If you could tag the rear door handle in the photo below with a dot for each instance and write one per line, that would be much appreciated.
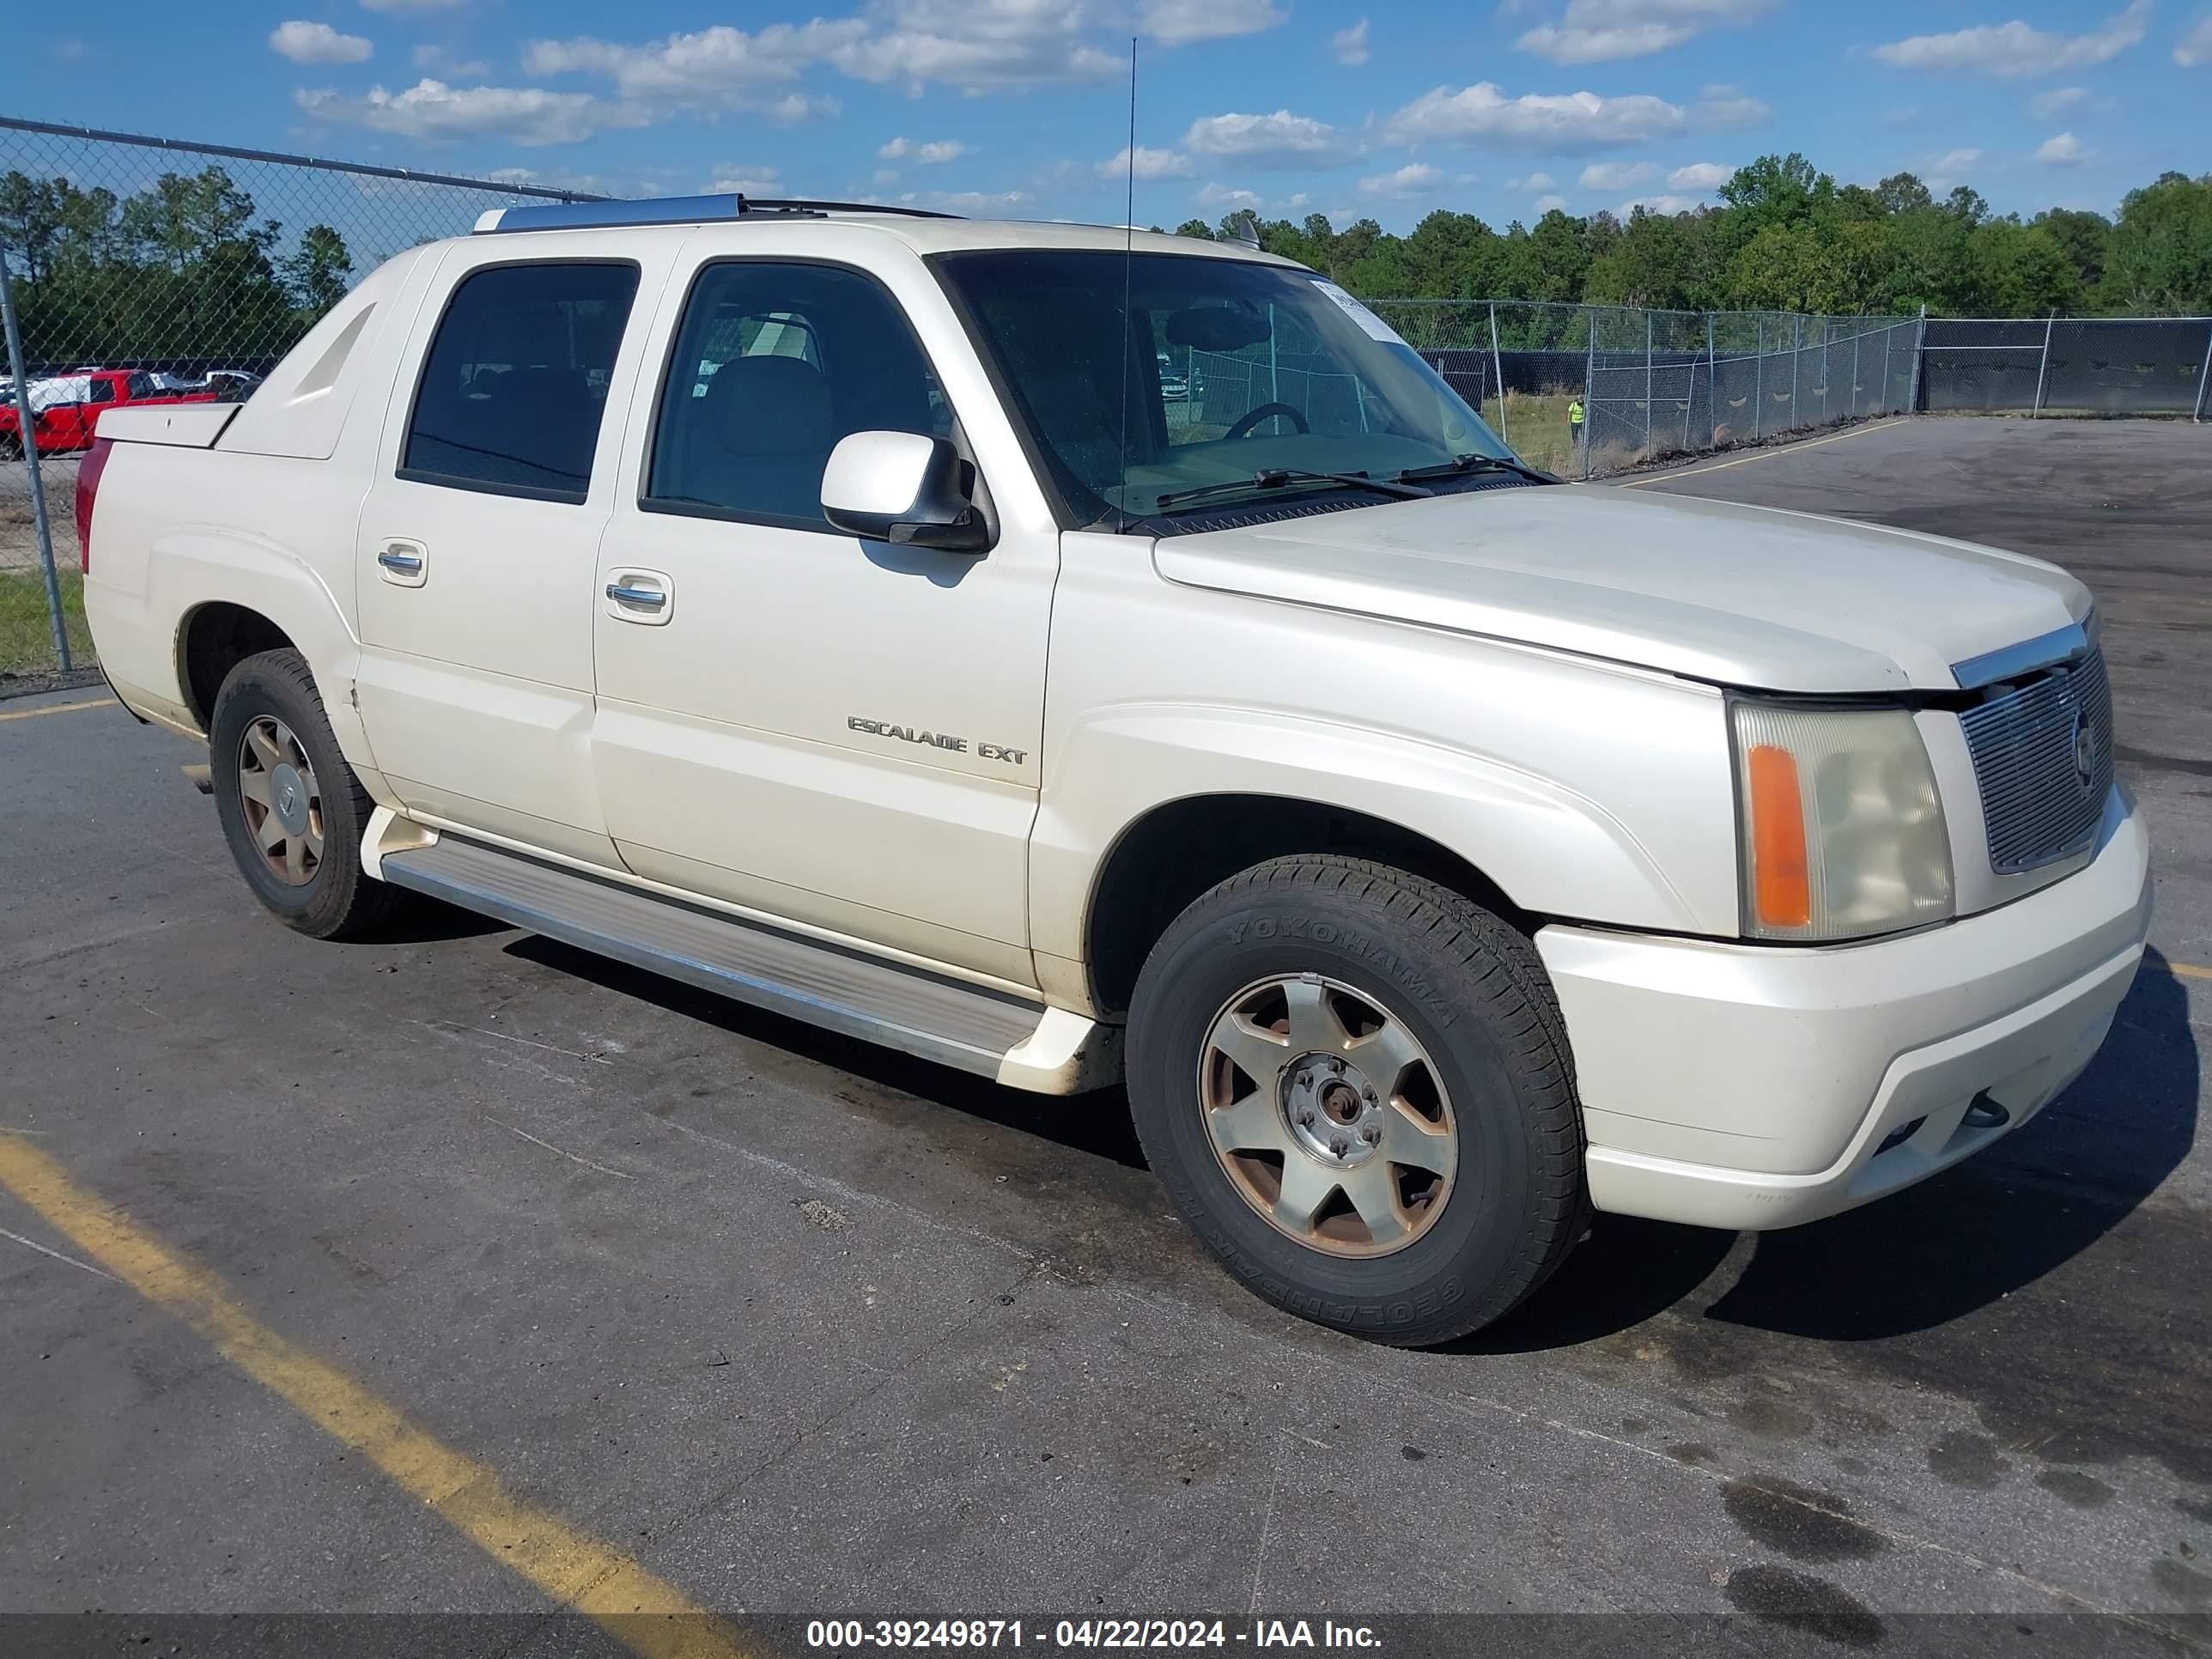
(645, 596)
(404, 563)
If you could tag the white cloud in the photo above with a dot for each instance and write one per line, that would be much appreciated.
(1942, 172)
(1699, 175)
(2062, 150)
(1534, 181)
(1350, 45)
(746, 181)
(2196, 47)
(887, 175)
(2014, 48)
(718, 65)
(977, 46)
(431, 110)
(1414, 178)
(1617, 175)
(1220, 196)
(449, 65)
(1546, 204)
(1729, 106)
(1179, 23)
(905, 149)
(1665, 205)
(1281, 140)
(974, 203)
(318, 43)
(1569, 124)
(1150, 164)
(2056, 101)
(1602, 31)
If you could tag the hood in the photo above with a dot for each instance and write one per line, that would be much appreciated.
(1742, 596)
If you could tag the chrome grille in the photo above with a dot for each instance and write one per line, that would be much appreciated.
(2040, 803)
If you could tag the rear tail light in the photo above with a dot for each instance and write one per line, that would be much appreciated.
(88, 490)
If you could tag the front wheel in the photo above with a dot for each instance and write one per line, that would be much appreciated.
(291, 808)
(1356, 1085)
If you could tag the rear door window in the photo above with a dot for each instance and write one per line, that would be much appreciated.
(515, 382)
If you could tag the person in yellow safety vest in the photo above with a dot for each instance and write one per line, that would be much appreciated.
(1575, 418)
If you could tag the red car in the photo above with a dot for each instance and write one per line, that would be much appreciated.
(66, 408)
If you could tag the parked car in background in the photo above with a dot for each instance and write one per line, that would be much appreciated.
(1174, 389)
(65, 410)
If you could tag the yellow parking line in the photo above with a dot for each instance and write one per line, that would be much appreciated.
(58, 708)
(1763, 455)
(2188, 970)
(650, 1617)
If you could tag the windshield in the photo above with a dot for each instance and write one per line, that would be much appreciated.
(1236, 373)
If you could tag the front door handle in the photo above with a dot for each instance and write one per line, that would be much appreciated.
(403, 563)
(646, 598)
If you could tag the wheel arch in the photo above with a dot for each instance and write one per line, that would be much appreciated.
(1179, 849)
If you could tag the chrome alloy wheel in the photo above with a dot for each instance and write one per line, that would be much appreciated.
(1328, 1116)
(282, 804)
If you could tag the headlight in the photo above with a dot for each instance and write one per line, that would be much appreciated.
(1842, 832)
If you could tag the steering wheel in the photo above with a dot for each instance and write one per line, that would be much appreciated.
(1252, 417)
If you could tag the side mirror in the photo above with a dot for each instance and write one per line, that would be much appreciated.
(906, 488)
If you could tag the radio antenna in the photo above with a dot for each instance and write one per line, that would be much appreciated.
(1129, 265)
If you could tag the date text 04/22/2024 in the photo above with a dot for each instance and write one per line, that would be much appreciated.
(1073, 1635)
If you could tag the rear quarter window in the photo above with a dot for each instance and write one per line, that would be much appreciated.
(515, 382)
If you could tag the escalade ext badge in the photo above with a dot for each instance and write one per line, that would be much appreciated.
(935, 739)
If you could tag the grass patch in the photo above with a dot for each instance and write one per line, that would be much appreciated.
(27, 630)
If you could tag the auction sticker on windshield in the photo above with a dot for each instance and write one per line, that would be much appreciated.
(1376, 328)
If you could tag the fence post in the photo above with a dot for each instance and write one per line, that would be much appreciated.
(1796, 363)
(2203, 373)
(42, 527)
(1855, 376)
(1590, 390)
(1647, 378)
(2042, 370)
(1498, 368)
(1919, 351)
(1758, 373)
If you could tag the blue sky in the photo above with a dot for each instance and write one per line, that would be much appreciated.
(1019, 106)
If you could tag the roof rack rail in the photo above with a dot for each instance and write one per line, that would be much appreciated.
(672, 210)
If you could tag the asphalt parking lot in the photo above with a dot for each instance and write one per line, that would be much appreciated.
(459, 1243)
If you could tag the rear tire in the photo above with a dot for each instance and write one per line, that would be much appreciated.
(1356, 1085)
(291, 808)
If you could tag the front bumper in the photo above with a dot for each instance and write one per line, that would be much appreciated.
(1760, 1086)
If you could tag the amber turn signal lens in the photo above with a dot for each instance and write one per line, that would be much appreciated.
(1780, 888)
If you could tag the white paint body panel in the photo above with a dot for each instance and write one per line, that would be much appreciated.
(1743, 596)
(1527, 677)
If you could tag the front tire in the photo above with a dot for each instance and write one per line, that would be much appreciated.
(1356, 1085)
(291, 808)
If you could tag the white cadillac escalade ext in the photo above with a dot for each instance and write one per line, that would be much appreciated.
(826, 606)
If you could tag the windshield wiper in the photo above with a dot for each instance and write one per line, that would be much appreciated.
(1460, 465)
(1275, 477)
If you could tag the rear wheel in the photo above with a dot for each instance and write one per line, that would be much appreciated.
(291, 808)
(1357, 1087)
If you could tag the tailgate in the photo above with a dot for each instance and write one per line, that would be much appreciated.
(183, 426)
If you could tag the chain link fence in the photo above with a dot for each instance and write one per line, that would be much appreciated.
(141, 269)
(1656, 383)
(2067, 365)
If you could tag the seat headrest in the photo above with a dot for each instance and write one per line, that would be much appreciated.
(769, 406)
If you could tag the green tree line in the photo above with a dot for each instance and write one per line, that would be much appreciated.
(187, 268)
(1787, 237)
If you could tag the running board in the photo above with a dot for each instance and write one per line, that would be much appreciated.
(1021, 1043)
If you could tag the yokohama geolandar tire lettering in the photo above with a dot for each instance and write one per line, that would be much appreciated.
(1357, 1087)
(291, 808)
